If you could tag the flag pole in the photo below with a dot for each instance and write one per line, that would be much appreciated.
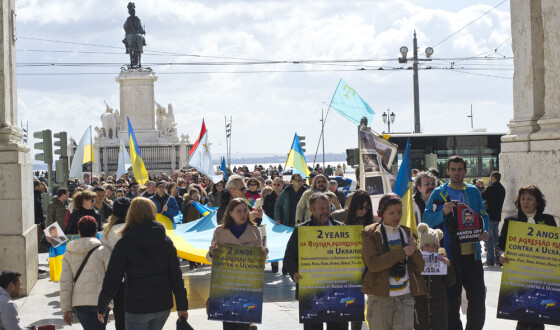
(91, 168)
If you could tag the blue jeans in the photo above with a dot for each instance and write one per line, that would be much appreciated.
(491, 243)
(87, 315)
(148, 321)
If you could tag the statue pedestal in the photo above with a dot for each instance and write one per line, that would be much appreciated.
(531, 150)
(18, 232)
(137, 102)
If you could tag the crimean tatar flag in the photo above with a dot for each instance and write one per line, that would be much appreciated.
(403, 188)
(296, 159)
(200, 157)
(138, 167)
(350, 105)
(82, 155)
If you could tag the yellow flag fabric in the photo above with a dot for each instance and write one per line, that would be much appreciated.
(138, 167)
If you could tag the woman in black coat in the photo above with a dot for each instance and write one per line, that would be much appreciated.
(530, 205)
(83, 205)
(149, 260)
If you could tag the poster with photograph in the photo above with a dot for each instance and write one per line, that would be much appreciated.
(469, 225)
(433, 264)
(330, 261)
(375, 185)
(371, 164)
(530, 288)
(55, 234)
(236, 284)
(386, 151)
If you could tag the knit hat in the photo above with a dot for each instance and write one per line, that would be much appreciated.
(428, 235)
(120, 207)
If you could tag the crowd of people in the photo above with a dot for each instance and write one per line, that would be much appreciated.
(134, 269)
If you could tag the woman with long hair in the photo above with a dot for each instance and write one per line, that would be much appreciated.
(148, 258)
(83, 205)
(216, 194)
(360, 211)
(236, 229)
(530, 205)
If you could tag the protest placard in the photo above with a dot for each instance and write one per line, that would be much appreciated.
(330, 261)
(433, 264)
(236, 284)
(469, 225)
(530, 288)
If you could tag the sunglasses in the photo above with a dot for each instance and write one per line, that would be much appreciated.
(427, 184)
(361, 207)
(298, 180)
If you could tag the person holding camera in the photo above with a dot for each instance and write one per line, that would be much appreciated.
(393, 269)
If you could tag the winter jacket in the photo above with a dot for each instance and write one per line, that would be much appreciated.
(86, 289)
(56, 212)
(149, 260)
(225, 197)
(9, 319)
(540, 218)
(38, 205)
(215, 198)
(72, 226)
(378, 262)
(431, 310)
(105, 212)
(250, 237)
(494, 196)
(285, 207)
(172, 206)
(190, 212)
(268, 204)
(302, 211)
(433, 216)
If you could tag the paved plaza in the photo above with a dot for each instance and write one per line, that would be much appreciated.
(42, 306)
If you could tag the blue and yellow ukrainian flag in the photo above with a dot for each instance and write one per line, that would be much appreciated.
(296, 159)
(138, 167)
(403, 188)
(55, 261)
(82, 155)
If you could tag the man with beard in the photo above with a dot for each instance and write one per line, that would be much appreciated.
(425, 183)
(320, 215)
(319, 186)
(166, 204)
(10, 287)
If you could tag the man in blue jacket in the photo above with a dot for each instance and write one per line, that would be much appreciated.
(465, 258)
(168, 208)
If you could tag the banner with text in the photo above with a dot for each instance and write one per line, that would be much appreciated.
(530, 289)
(330, 261)
(433, 264)
(236, 284)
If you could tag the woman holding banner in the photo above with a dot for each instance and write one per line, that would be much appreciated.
(530, 205)
(236, 229)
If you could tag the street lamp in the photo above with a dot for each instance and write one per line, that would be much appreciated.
(388, 119)
(403, 59)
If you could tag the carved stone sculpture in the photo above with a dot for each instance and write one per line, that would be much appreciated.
(111, 123)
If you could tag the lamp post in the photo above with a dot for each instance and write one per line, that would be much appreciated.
(403, 59)
(388, 119)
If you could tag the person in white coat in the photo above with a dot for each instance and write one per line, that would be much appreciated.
(81, 293)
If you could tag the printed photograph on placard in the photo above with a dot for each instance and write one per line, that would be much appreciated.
(375, 185)
(55, 234)
(469, 225)
(371, 164)
(386, 151)
(367, 141)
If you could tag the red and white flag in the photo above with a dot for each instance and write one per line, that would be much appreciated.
(200, 158)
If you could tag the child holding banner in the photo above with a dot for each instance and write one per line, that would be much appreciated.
(431, 310)
(393, 269)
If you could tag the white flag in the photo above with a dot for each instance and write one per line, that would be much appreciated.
(124, 160)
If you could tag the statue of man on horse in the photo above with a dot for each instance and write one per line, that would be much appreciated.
(134, 41)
